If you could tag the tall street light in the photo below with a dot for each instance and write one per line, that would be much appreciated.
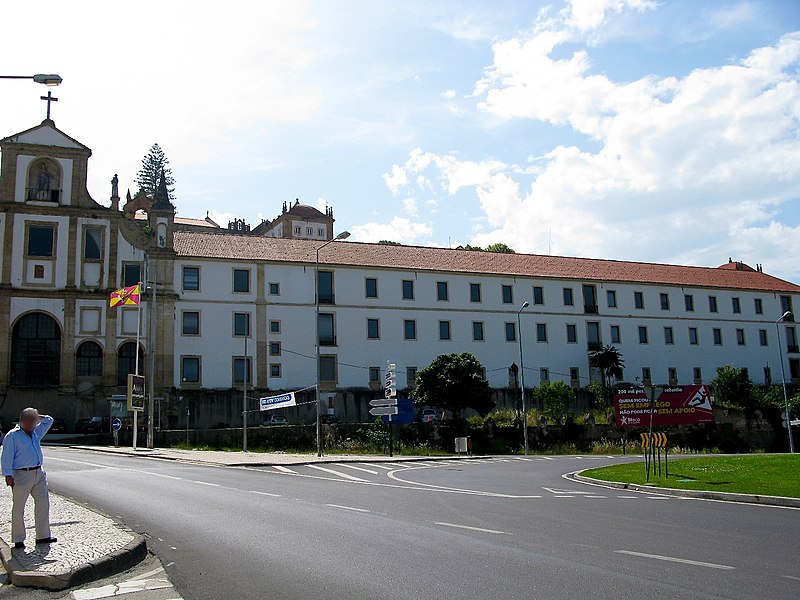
(48, 80)
(522, 377)
(342, 236)
(785, 317)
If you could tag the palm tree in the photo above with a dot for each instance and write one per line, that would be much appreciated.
(609, 360)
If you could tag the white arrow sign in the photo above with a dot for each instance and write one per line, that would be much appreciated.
(380, 411)
(383, 402)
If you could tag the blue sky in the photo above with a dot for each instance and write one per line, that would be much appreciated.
(628, 129)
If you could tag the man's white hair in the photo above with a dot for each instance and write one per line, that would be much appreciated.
(28, 412)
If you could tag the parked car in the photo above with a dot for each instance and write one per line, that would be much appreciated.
(329, 420)
(58, 426)
(94, 425)
(275, 420)
(428, 415)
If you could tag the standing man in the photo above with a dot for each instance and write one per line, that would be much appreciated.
(22, 467)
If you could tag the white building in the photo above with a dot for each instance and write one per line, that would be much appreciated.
(223, 294)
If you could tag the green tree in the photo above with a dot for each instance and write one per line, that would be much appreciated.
(732, 388)
(152, 165)
(611, 365)
(555, 397)
(501, 248)
(389, 243)
(453, 382)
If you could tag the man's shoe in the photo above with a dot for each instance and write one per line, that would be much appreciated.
(19, 545)
(50, 540)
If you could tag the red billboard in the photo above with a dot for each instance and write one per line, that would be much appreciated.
(676, 405)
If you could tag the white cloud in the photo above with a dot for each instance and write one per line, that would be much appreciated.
(449, 94)
(396, 179)
(399, 229)
(410, 206)
(322, 204)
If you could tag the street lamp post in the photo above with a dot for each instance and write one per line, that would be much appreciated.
(785, 316)
(522, 378)
(49, 80)
(342, 236)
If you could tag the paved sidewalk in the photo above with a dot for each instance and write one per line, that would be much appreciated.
(236, 459)
(90, 546)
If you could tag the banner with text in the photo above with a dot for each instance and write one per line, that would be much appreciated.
(273, 402)
(676, 405)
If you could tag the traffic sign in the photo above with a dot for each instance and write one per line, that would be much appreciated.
(116, 424)
(654, 440)
(390, 380)
(379, 411)
(383, 402)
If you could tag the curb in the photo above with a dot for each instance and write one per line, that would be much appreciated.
(782, 501)
(129, 555)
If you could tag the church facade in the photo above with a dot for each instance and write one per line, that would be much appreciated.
(229, 307)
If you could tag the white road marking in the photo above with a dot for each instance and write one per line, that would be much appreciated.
(265, 494)
(595, 496)
(561, 491)
(397, 465)
(283, 469)
(629, 497)
(361, 510)
(791, 577)
(548, 458)
(658, 497)
(148, 574)
(379, 466)
(348, 466)
(481, 529)
(332, 472)
(204, 483)
(685, 561)
(563, 496)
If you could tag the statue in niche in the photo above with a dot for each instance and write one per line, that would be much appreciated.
(43, 181)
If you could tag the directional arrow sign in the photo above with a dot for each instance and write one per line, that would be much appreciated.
(379, 411)
(383, 402)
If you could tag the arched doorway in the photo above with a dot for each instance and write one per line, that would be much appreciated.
(36, 351)
(89, 360)
(126, 362)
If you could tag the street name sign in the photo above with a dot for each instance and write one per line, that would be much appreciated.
(379, 411)
(383, 402)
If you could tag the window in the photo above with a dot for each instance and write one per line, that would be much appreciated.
(538, 294)
(508, 294)
(131, 274)
(444, 330)
(693, 339)
(569, 299)
(328, 369)
(638, 299)
(274, 348)
(41, 239)
(717, 336)
(89, 360)
(759, 306)
(325, 287)
(616, 336)
(370, 287)
(309, 231)
(762, 337)
(410, 329)
(241, 324)
(593, 341)
(320, 232)
(474, 292)
(664, 301)
(275, 370)
(646, 377)
(241, 280)
(92, 243)
(242, 370)
(441, 291)
(642, 334)
(511, 332)
(786, 305)
(374, 374)
(411, 376)
(575, 376)
(477, 331)
(736, 305)
(688, 302)
(697, 374)
(669, 337)
(274, 289)
(541, 332)
(740, 339)
(191, 279)
(544, 374)
(791, 341)
(191, 322)
(672, 374)
(373, 329)
(326, 330)
(408, 289)
(767, 376)
(274, 326)
(611, 298)
(572, 333)
(590, 299)
(297, 230)
(712, 304)
(190, 369)
(126, 362)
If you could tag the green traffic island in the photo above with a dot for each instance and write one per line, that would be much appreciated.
(753, 474)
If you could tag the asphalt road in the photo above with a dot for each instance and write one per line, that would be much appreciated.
(496, 528)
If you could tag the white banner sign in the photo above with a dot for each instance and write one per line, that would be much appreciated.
(273, 402)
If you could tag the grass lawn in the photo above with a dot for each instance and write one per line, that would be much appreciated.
(767, 475)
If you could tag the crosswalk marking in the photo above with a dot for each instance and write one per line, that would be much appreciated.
(337, 473)
(283, 469)
(355, 468)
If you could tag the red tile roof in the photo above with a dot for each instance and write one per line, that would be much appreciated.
(419, 258)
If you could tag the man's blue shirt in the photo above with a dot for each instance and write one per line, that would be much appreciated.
(20, 450)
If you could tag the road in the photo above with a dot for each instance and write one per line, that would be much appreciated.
(494, 528)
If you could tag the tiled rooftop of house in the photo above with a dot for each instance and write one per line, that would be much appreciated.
(412, 258)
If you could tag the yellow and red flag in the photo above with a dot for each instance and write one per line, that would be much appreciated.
(125, 296)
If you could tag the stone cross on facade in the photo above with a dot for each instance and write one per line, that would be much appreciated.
(49, 98)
